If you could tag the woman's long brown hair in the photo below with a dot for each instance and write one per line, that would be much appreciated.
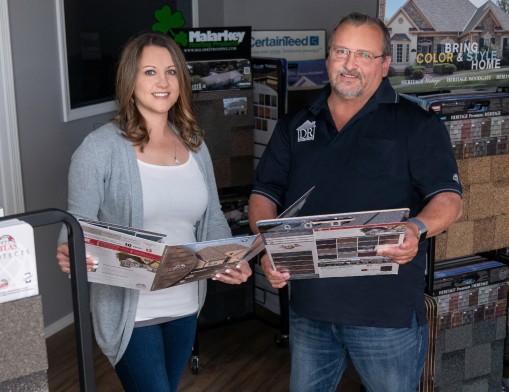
(181, 115)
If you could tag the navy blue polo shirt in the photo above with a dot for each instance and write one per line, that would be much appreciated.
(391, 154)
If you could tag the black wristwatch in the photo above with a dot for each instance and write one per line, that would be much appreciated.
(423, 230)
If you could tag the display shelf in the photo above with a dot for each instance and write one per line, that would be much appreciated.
(79, 286)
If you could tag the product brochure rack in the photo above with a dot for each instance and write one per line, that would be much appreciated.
(79, 286)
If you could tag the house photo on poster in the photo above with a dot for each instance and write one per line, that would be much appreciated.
(447, 45)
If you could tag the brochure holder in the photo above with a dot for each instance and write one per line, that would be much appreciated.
(79, 285)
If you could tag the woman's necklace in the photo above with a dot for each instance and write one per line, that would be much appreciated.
(177, 162)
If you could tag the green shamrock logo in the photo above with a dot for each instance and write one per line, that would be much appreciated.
(181, 39)
(167, 20)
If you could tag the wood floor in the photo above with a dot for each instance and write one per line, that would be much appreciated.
(239, 357)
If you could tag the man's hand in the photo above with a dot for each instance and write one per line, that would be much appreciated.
(405, 252)
(275, 278)
(441, 211)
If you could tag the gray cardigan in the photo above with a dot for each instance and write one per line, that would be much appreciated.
(105, 184)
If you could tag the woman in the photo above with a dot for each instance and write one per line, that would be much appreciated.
(149, 168)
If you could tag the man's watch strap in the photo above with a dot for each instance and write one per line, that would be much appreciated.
(423, 230)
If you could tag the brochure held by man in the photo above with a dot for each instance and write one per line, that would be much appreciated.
(335, 245)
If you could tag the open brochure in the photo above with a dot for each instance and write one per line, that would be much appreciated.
(135, 258)
(335, 245)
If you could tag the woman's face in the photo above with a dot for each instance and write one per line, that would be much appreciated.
(157, 86)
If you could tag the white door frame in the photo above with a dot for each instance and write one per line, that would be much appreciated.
(11, 186)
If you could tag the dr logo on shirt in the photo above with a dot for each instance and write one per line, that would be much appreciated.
(306, 132)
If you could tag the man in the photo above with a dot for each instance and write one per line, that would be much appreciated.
(363, 148)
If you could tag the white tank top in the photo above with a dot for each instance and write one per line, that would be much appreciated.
(174, 199)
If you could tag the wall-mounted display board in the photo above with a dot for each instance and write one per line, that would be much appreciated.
(288, 70)
(219, 58)
(303, 49)
(269, 99)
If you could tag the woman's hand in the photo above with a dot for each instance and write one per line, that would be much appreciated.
(236, 275)
(65, 263)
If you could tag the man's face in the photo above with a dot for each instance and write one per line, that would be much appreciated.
(352, 77)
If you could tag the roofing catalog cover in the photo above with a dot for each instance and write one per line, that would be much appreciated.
(444, 45)
(218, 58)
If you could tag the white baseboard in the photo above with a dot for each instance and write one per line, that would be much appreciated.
(59, 325)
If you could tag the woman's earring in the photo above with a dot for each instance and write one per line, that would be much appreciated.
(131, 100)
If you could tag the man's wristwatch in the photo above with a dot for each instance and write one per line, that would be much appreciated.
(423, 230)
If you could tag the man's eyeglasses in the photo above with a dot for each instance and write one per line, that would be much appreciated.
(361, 56)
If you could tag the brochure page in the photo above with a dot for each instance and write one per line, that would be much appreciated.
(131, 258)
(293, 210)
(336, 245)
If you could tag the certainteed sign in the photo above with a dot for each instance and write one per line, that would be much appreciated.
(293, 45)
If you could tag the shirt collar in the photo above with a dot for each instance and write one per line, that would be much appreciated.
(385, 93)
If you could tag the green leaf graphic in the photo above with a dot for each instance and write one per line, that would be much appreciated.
(181, 38)
(167, 21)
